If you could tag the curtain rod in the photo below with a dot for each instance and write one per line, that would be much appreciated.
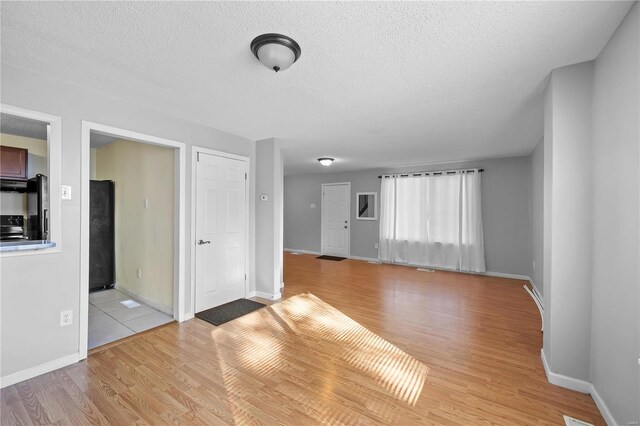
(448, 172)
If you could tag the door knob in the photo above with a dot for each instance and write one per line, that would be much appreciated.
(201, 242)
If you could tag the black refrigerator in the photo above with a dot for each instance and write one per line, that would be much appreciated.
(38, 208)
(102, 262)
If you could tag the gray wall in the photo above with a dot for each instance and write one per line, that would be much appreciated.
(36, 288)
(269, 256)
(615, 322)
(506, 191)
(537, 216)
(569, 286)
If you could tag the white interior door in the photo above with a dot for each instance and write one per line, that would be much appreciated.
(220, 230)
(336, 208)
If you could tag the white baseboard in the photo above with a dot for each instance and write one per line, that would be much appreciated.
(268, 296)
(604, 410)
(188, 316)
(502, 275)
(302, 251)
(29, 373)
(251, 294)
(366, 259)
(535, 290)
(564, 381)
(162, 308)
(580, 386)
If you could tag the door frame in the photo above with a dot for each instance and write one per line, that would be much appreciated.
(179, 230)
(195, 151)
(324, 185)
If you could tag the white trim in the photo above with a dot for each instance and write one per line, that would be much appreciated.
(195, 150)
(268, 296)
(179, 231)
(54, 159)
(499, 275)
(580, 386)
(366, 259)
(251, 294)
(562, 380)
(537, 293)
(540, 308)
(302, 251)
(486, 273)
(29, 373)
(158, 306)
(322, 186)
(604, 410)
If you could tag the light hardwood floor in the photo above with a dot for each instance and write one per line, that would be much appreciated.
(352, 342)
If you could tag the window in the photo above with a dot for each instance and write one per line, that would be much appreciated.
(432, 220)
(30, 204)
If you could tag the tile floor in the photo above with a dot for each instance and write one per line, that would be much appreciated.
(110, 320)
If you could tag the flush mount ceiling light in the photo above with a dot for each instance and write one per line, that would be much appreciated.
(325, 161)
(276, 51)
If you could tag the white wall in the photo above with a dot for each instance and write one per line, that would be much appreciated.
(537, 216)
(615, 322)
(592, 225)
(36, 288)
(506, 193)
(269, 258)
(568, 144)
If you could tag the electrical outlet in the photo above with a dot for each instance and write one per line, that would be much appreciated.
(146, 203)
(139, 273)
(534, 264)
(66, 318)
(375, 245)
(66, 192)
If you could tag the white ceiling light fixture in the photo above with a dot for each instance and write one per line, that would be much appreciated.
(325, 161)
(276, 51)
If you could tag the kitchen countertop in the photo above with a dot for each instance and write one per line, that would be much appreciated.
(25, 245)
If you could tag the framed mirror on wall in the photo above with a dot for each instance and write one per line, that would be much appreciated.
(367, 206)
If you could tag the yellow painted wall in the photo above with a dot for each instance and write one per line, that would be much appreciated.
(144, 236)
(35, 146)
(12, 202)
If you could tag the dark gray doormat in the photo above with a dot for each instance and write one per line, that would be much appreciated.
(229, 311)
(336, 258)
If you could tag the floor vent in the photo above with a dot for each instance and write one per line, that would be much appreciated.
(425, 270)
(570, 421)
(375, 262)
(130, 303)
(295, 253)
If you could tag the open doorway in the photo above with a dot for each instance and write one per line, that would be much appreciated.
(132, 226)
(131, 247)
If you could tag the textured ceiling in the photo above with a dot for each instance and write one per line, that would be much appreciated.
(97, 140)
(378, 84)
(20, 126)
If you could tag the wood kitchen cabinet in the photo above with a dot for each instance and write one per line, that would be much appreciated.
(13, 162)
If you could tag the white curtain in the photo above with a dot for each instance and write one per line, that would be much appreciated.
(432, 220)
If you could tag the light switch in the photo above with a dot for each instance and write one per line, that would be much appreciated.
(66, 192)
(264, 197)
(312, 206)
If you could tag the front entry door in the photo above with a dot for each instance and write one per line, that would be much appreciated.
(220, 230)
(335, 219)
